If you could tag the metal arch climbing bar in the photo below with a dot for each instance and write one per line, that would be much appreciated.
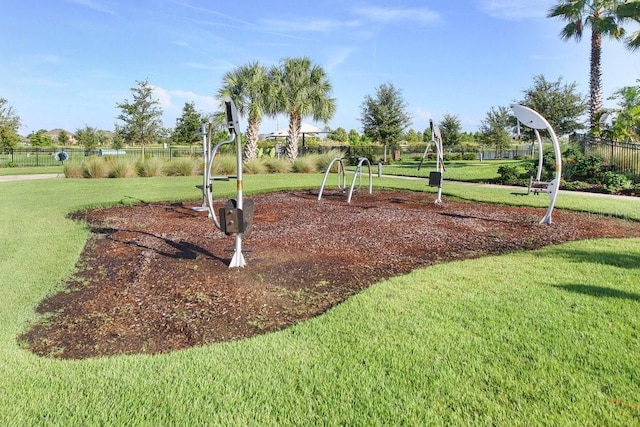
(341, 174)
(233, 126)
(208, 181)
(357, 173)
(535, 121)
(436, 137)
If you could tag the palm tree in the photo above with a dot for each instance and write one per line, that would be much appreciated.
(303, 90)
(249, 87)
(630, 10)
(605, 19)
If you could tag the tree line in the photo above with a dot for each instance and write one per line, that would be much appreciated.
(299, 88)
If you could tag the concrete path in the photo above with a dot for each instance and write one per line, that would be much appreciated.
(6, 178)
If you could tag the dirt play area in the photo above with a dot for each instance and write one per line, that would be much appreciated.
(154, 278)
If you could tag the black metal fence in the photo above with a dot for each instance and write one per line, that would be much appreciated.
(620, 157)
(49, 156)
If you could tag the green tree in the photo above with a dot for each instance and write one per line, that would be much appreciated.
(496, 129)
(339, 135)
(118, 140)
(188, 126)
(384, 117)
(302, 90)
(450, 128)
(626, 124)
(558, 102)
(354, 137)
(63, 138)
(40, 138)
(605, 18)
(9, 125)
(413, 137)
(426, 135)
(90, 138)
(141, 116)
(250, 87)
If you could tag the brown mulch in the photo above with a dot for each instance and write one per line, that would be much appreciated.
(154, 278)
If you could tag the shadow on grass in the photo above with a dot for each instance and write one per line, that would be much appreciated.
(599, 291)
(615, 259)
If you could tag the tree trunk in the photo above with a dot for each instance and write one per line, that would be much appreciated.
(291, 149)
(251, 149)
(595, 80)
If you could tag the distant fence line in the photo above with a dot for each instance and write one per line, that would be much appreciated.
(45, 156)
(621, 157)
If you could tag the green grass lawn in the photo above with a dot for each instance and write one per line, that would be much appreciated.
(549, 337)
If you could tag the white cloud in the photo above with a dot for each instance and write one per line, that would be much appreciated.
(306, 25)
(392, 15)
(172, 103)
(95, 6)
(339, 56)
(516, 10)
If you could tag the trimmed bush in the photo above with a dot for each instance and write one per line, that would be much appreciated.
(508, 174)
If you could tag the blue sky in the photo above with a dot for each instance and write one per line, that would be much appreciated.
(66, 63)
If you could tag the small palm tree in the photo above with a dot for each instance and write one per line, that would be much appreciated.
(248, 86)
(605, 19)
(303, 90)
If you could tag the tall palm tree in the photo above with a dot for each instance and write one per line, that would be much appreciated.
(248, 86)
(303, 90)
(605, 19)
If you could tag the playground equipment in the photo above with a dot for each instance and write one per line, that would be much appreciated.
(342, 179)
(236, 217)
(435, 178)
(535, 121)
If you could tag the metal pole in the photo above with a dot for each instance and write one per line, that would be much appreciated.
(232, 117)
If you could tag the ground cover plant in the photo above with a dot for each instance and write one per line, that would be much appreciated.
(541, 337)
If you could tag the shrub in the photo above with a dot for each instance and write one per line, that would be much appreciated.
(183, 166)
(95, 167)
(587, 168)
(149, 167)
(121, 168)
(224, 164)
(508, 174)
(275, 165)
(614, 182)
(73, 170)
(325, 158)
(255, 167)
(306, 164)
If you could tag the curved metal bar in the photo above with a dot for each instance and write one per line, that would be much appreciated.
(357, 173)
(540, 155)
(326, 174)
(534, 120)
(436, 137)
(208, 186)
